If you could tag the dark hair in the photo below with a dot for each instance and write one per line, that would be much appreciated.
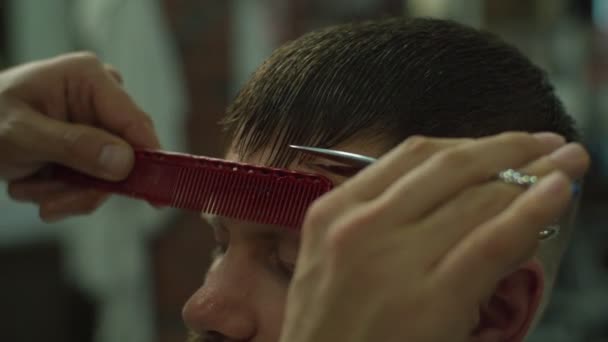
(390, 79)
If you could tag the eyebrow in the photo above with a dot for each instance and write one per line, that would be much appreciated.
(336, 169)
(211, 219)
(253, 230)
(339, 173)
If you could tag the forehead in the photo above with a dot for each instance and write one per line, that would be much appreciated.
(313, 164)
(248, 229)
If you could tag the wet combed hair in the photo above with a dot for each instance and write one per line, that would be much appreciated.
(390, 79)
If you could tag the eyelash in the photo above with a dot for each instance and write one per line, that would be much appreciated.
(218, 251)
(284, 269)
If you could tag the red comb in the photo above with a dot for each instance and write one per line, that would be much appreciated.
(214, 186)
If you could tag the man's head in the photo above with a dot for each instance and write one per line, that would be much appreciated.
(365, 88)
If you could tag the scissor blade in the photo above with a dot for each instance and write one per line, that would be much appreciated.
(352, 159)
(359, 161)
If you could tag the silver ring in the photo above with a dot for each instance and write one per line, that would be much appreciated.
(511, 176)
(549, 232)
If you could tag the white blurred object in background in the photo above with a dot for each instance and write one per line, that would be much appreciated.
(469, 12)
(106, 252)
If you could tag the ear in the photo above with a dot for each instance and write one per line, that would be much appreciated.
(509, 312)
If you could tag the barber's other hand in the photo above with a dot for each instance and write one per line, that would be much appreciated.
(409, 248)
(73, 111)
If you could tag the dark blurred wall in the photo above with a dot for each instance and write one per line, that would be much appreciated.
(203, 33)
(182, 253)
(202, 30)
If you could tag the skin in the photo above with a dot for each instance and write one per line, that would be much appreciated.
(67, 110)
(368, 268)
(259, 255)
(245, 294)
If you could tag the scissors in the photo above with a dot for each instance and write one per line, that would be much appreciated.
(356, 162)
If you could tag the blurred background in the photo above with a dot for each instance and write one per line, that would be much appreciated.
(124, 273)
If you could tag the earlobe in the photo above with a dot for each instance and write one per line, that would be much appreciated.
(508, 314)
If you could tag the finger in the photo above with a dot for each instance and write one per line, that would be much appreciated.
(368, 183)
(35, 190)
(84, 148)
(572, 159)
(502, 244)
(376, 178)
(99, 92)
(474, 206)
(17, 170)
(71, 203)
(112, 71)
(117, 112)
(447, 173)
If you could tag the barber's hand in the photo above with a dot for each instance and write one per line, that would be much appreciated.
(73, 111)
(405, 249)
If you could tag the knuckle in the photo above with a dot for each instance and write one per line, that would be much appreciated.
(487, 198)
(89, 208)
(417, 145)
(347, 230)
(86, 57)
(337, 241)
(8, 124)
(139, 121)
(317, 214)
(335, 211)
(69, 145)
(543, 166)
(83, 63)
(110, 67)
(147, 120)
(13, 191)
(71, 136)
(114, 72)
(17, 131)
(522, 140)
(536, 213)
(585, 158)
(453, 158)
(45, 213)
(495, 249)
(511, 135)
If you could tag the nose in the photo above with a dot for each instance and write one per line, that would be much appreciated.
(223, 303)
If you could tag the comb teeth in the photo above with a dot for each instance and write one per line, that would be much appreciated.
(264, 196)
(213, 186)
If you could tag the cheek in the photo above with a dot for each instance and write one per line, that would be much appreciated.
(271, 302)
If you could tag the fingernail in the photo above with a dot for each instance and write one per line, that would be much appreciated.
(568, 154)
(149, 126)
(550, 139)
(116, 159)
(144, 135)
(551, 184)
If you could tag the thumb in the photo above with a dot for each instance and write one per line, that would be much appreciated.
(80, 147)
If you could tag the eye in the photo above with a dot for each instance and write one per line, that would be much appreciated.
(222, 238)
(283, 267)
(221, 246)
(218, 251)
